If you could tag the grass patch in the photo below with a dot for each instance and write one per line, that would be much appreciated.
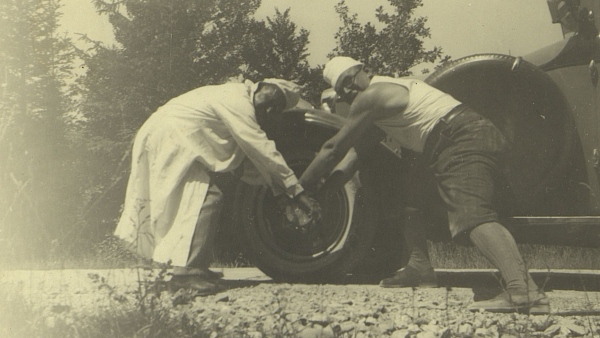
(138, 313)
(109, 254)
(106, 254)
(451, 256)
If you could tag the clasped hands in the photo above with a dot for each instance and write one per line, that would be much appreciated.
(301, 211)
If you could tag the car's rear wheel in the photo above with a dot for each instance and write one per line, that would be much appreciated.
(535, 117)
(326, 252)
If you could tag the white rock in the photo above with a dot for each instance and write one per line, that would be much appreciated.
(347, 326)
(541, 323)
(402, 321)
(577, 330)
(426, 334)
(362, 335)
(319, 318)
(552, 330)
(386, 325)
(340, 318)
(328, 332)
(310, 332)
(371, 321)
(413, 328)
(255, 334)
(445, 333)
(465, 329)
(403, 333)
(292, 317)
(481, 332)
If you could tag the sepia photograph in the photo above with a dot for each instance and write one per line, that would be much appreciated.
(299, 168)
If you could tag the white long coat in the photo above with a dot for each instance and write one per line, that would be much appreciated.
(214, 126)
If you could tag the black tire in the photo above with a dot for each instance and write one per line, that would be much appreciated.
(325, 254)
(533, 114)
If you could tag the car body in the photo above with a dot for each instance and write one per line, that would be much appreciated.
(547, 105)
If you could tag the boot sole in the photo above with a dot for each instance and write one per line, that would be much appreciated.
(420, 286)
(191, 292)
(542, 309)
(535, 309)
(188, 288)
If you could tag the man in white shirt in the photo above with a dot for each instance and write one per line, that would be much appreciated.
(463, 150)
(172, 204)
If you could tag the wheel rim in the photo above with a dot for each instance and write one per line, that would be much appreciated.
(327, 236)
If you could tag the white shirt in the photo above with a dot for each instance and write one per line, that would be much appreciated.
(214, 126)
(426, 106)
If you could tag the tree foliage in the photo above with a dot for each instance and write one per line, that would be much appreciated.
(65, 143)
(35, 64)
(164, 49)
(169, 47)
(277, 49)
(391, 50)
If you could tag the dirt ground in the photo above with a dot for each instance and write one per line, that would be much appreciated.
(254, 305)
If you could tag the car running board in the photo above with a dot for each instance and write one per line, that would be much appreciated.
(581, 231)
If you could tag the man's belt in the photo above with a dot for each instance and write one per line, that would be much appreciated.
(453, 113)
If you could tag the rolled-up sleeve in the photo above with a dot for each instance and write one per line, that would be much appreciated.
(237, 113)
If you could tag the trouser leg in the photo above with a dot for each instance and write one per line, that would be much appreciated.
(420, 184)
(418, 272)
(416, 239)
(497, 244)
(201, 250)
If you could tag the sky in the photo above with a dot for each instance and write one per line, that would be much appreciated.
(460, 27)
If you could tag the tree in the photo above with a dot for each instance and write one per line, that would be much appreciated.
(392, 50)
(276, 49)
(313, 85)
(166, 48)
(35, 64)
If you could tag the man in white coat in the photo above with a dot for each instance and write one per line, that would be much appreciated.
(172, 205)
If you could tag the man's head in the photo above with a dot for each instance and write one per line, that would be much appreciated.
(272, 97)
(346, 76)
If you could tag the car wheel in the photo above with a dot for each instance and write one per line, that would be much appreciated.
(326, 252)
(534, 116)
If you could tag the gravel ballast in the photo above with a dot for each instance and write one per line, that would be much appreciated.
(254, 306)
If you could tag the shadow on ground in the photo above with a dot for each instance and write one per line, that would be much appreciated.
(476, 279)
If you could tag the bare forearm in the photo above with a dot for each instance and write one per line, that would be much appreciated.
(336, 148)
(343, 172)
(323, 163)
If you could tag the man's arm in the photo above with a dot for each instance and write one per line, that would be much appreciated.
(374, 103)
(342, 173)
(362, 151)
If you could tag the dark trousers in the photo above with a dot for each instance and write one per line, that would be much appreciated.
(201, 251)
(465, 155)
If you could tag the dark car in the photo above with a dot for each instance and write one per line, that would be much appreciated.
(545, 103)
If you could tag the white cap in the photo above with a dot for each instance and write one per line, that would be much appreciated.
(335, 67)
(289, 89)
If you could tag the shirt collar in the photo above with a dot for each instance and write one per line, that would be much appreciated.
(251, 87)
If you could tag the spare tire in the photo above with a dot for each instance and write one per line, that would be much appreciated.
(325, 253)
(532, 113)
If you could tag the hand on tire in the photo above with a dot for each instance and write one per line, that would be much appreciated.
(309, 205)
(300, 212)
